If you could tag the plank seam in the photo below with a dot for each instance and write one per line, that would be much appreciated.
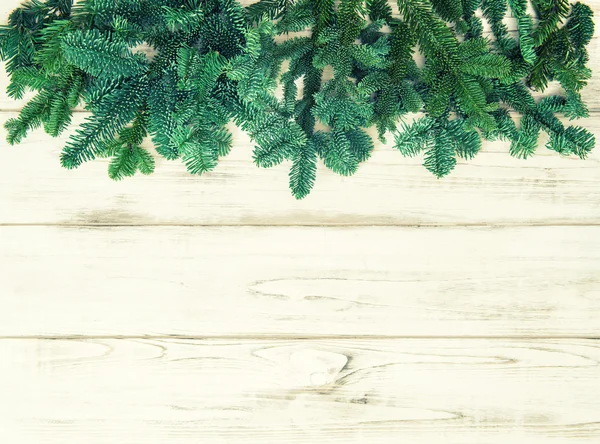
(271, 225)
(294, 337)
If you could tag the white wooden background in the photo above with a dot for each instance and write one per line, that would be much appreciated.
(387, 307)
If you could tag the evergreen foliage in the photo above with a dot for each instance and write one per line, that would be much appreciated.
(179, 71)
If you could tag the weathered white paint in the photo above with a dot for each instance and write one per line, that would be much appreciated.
(289, 281)
(104, 391)
(312, 319)
(389, 189)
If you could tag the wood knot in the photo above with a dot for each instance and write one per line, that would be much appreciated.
(317, 368)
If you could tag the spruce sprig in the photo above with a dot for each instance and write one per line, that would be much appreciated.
(179, 71)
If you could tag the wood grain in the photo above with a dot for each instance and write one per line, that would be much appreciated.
(300, 282)
(415, 391)
(175, 309)
(493, 189)
(389, 189)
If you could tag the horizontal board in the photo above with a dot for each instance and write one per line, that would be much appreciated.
(299, 281)
(388, 189)
(415, 391)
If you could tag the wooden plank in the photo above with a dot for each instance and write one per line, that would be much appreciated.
(417, 391)
(300, 281)
(493, 188)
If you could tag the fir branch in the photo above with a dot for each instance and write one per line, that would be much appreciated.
(440, 157)
(118, 109)
(304, 170)
(215, 61)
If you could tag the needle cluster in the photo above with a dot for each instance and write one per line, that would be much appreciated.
(306, 79)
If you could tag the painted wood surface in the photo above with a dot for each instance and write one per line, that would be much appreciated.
(104, 391)
(389, 189)
(387, 307)
(493, 189)
(294, 281)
